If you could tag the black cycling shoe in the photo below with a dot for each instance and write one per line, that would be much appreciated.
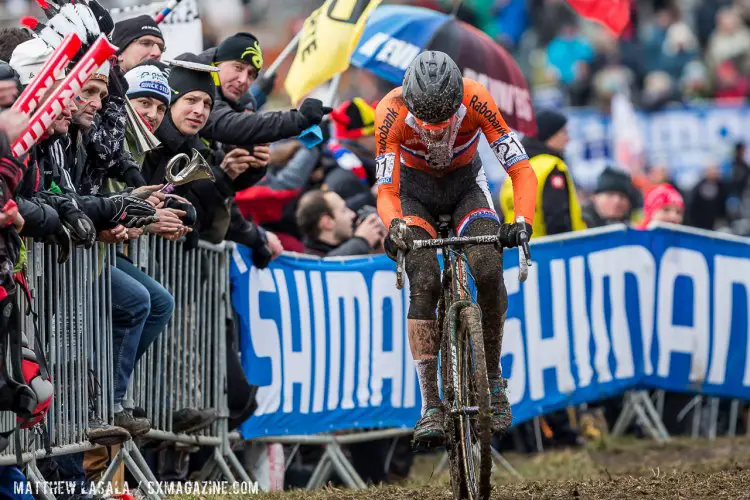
(429, 431)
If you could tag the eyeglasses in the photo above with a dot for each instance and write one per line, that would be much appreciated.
(433, 127)
(147, 44)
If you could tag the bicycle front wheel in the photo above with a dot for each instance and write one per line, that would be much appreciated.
(470, 417)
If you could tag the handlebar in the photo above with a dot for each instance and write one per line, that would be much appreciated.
(524, 261)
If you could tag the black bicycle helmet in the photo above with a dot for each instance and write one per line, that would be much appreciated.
(433, 87)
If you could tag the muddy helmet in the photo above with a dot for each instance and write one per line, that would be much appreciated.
(433, 87)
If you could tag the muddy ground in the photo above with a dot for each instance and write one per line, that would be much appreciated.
(628, 469)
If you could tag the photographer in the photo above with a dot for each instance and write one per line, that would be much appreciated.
(327, 225)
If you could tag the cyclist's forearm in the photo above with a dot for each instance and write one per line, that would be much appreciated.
(524, 189)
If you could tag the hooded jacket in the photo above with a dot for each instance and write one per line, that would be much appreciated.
(218, 217)
(230, 123)
(557, 207)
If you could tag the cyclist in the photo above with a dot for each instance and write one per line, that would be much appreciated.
(427, 132)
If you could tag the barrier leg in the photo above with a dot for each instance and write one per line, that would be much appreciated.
(734, 410)
(222, 464)
(35, 476)
(110, 472)
(389, 456)
(207, 471)
(321, 473)
(713, 417)
(646, 422)
(655, 415)
(625, 417)
(239, 469)
(499, 458)
(345, 469)
(137, 473)
(138, 458)
(697, 416)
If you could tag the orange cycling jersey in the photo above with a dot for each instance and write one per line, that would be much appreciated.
(400, 143)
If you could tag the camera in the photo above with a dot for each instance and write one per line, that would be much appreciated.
(364, 213)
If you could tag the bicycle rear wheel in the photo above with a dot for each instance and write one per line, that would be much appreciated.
(468, 419)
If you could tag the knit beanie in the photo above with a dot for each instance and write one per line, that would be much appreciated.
(549, 122)
(129, 30)
(29, 57)
(240, 47)
(353, 119)
(189, 74)
(661, 196)
(148, 80)
(611, 180)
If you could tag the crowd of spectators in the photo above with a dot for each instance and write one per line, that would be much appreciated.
(671, 51)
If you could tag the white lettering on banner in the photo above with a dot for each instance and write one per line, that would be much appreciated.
(387, 364)
(265, 337)
(614, 264)
(510, 99)
(373, 43)
(397, 53)
(513, 344)
(692, 339)
(297, 364)
(552, 352)
(728, 272)
(351, 290)
(321, 340)
(581, 330)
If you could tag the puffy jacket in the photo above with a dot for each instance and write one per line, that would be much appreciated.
(557, 207)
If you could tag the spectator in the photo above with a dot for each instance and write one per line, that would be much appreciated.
(679, 48)
(569, 54)
(694, 83)
(10, 38)
(271, 201)
(138, 39)
(658, 91)
(730, 40)
(328, 226)
(730, 83)
(557, 210)
(613, 199)
(707, 200)
(239, 59)
(663, 204)
(740, 173)
(353, 148)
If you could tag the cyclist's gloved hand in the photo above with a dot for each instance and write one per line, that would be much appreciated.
(399, 238)
(133, 211)
(313, 111)
(510, 233)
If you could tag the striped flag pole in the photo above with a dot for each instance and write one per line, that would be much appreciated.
(166, 11)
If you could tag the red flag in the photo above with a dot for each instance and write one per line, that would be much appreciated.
(614, 14)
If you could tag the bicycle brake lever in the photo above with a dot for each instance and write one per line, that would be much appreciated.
(524, 261)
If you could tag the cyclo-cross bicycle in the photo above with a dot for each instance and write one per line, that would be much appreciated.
(466, 394)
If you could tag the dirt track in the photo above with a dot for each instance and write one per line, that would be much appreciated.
(629, 469)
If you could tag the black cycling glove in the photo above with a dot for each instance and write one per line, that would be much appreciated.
(509, 234)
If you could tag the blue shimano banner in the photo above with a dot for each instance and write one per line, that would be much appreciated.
(601, 312)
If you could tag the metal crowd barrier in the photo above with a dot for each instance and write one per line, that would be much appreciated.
(185, 367)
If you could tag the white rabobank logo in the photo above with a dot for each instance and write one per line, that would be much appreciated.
(392, 51)
(341, 347)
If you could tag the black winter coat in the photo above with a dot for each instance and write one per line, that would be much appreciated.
(217, 215)
(229, 122)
